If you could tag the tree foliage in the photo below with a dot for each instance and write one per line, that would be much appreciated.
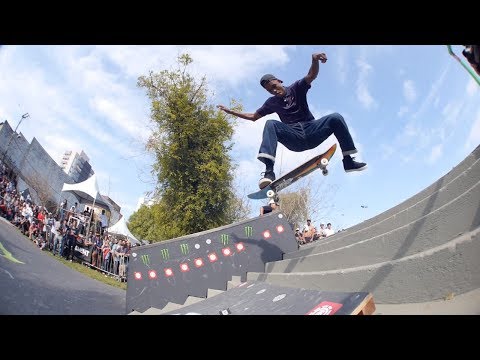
(294, 205)
(191, 141)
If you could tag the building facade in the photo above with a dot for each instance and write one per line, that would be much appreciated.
(76, 165)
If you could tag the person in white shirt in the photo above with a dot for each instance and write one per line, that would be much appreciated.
(329, 231)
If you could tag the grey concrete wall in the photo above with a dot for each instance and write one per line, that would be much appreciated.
(451, 191)
(37, 167)
(34, 166)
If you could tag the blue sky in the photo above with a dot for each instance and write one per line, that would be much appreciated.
(413, 111)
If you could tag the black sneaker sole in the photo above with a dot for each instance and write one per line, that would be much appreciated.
(357, 169)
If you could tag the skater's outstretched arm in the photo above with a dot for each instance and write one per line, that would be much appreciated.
(313, 71)
(247, 116)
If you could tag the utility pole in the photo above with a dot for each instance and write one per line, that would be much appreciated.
(24, 116)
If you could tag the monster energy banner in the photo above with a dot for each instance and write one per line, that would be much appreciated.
(83, 252)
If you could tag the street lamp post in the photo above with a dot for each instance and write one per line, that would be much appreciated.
(24, 116)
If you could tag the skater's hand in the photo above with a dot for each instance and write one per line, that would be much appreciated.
(320, 56)
(221, 107)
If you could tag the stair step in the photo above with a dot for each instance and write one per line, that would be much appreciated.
(152, 311)
(213, 292)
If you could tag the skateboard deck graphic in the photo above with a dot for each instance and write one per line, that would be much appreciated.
(318, 162)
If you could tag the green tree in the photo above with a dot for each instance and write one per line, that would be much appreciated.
(142, 223)
(191, 141)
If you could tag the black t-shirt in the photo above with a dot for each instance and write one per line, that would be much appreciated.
(267, 209)
(293, 107)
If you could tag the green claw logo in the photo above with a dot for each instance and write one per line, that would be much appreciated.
(8, 255)
(225, 239)
(184, 249)
(248, 231)
(146, 260)
(165, 254)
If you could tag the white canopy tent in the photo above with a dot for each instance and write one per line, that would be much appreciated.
(87, 190)
(121, 228)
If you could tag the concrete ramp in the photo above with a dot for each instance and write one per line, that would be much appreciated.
(425, 248)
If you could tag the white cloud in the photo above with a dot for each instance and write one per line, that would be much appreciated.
(406, 158)
(433, 93)
(411, 130)
(341, 63)
(120, 117)
(451, 112)
(85, 97)
(140, 202)
(409, 91)
(435, 153)
(403, 110)
(217, 61)
(362, 91)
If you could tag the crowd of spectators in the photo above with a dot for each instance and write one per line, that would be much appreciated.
(310, 233)
(65, 230)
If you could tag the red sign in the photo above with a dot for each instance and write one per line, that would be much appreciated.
(325, 308)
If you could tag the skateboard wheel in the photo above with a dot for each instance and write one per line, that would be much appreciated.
(324, 162)
(325, 172)
(270, 193)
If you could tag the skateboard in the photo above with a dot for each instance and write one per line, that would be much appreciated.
(318, 162)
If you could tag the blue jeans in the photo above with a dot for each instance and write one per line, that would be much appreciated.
(56, 244)
(304, 135)
(63, 240)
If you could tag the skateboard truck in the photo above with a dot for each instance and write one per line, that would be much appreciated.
(323, 166)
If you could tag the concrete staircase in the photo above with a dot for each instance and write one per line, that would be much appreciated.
(236, 280)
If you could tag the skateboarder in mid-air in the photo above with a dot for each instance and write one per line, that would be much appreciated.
(297, 129)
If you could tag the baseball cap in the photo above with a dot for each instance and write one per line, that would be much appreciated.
(267, 78)
(271, 201)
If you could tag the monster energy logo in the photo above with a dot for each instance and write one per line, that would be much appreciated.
(165, 254)
(146, 260)
(248, 231)
(224, 238)
(184, 249)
